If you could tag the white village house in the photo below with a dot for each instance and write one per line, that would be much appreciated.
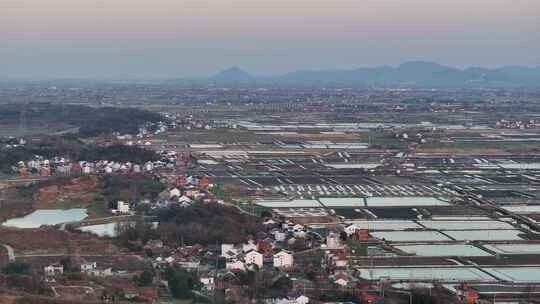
(235, 265)
(208, 283)
(254, 258)
(53, 269)
(175, 192)
(121, 208)
(283, 259)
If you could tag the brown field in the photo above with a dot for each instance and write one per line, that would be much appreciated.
(77, 293)
(46, 241)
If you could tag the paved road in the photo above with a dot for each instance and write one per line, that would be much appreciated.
(10, 251)
(78, 255)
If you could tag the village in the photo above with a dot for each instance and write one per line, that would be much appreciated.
(232, 203)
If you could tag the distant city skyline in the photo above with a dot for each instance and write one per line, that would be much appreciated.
(161, 39)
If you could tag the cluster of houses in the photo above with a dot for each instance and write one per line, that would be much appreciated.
(267, 251)
(252, 254)
(63, 166)
(516, 124)
(145, 132)
(186, 191)
(42, 166)
(89, 268)
(174, 121)
(191, 190)
(289, 300)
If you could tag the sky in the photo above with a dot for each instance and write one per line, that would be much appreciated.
(158, 39)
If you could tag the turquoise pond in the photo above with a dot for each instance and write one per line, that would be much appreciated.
(47, 217)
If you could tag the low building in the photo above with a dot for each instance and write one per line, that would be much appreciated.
(175, 192)
(333, 241)
(122, 208)
(280, 236)
(88, 266)
(208, 283)
(254, 258)
(235, 265)
(283, 259)
(228, 251)
(53, 270)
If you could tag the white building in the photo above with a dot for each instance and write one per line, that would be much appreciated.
(299, 300)
(228, 251)
(53, 269)
(193, 193)
(184, 199)
(341, 282)
(208, 283)
(283, 259)
(333, 241)
(299, 234)
(254, 258)
(100, 272)
(85, 267)
(175, 192)
(298, 228)
(121, 208)
(235, 265)
(86, 170)
(351, 229)
(280, 236)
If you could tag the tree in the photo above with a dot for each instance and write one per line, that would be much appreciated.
(221, 263)
(283, 284)
(203, 224)
(68, 265)
(420, 296)
(16, 268)
(181, 283)
(145, 279)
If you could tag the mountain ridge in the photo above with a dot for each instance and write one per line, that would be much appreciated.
(411, 73)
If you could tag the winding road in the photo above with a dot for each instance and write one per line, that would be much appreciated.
(10, 251)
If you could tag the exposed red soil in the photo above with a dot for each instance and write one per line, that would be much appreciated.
(80, 190)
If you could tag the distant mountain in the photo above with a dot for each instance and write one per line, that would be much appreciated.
(233, 74)
(421, 74)
(410, 74)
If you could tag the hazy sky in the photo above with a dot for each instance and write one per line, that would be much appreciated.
(173, 38)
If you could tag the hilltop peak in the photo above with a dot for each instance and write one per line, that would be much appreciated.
(233, 74)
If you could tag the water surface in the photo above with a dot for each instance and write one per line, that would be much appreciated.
(47, 217)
